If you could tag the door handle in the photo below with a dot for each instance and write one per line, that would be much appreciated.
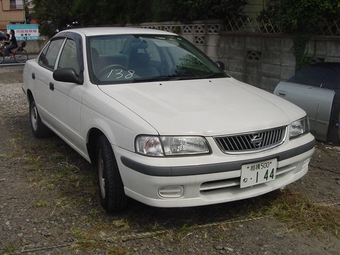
(51, 86)
(281, 94)
(33, 76)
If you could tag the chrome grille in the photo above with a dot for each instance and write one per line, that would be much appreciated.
(250, 142)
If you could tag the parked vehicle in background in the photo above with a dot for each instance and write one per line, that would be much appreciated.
(162, 123)
(316, 89)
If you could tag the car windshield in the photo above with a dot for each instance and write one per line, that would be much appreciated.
(319, 75)
(141, 58)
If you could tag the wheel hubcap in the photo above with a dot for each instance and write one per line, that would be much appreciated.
(101, 177)
(34, 117)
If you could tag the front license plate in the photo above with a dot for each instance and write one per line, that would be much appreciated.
(259, 172)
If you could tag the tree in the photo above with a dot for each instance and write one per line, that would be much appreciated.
(107, 12)
(301, 19)
(52, 15)
(213, 9)
(305, 15)
(104, 12)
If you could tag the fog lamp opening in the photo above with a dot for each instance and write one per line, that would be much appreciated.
(171, 191)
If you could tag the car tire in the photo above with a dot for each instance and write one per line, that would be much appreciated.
(2, 57)
(111, 188)
(38, 127)
(334, 123)
(338, 127)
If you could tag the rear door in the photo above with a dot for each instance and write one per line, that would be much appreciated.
(42, 76)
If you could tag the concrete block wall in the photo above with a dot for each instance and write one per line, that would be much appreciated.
(325, 47)
(263, 60)
(256, 59)
(35, 46)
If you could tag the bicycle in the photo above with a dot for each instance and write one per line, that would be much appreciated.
(20, 55)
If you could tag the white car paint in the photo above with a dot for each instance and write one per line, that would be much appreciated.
(202, 107)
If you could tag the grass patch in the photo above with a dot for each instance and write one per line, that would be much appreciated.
(299, 213)
(95, 245)
(59, 170)
(56, 167)
(9, 249)
(117, 251)
(43, 203)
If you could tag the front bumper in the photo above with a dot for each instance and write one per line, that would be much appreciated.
(211, 179)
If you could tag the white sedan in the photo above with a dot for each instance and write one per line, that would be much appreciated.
(162, 123)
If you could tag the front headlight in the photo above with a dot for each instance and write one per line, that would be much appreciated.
(299, 127)
(171, 145)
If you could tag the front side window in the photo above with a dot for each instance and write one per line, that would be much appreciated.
(49, 54)
(69, 56)
(139, 58)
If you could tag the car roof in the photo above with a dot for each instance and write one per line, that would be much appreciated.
(94, 31)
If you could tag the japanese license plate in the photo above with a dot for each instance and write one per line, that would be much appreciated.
(259, 172)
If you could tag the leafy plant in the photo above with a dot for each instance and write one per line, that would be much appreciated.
(214, 9)
(56, 15)
(305, 15)
(301, 19)
(52, 15)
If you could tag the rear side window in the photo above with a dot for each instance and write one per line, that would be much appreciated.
(318, 76)
(49, 55)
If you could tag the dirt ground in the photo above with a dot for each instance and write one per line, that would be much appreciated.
(49, 204)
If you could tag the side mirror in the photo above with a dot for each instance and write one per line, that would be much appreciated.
(67, 75)
(220, 65)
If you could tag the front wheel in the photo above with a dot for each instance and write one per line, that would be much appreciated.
(38, 128)
(20, 56)
(111, 188)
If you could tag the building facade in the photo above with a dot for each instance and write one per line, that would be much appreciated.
(11, 12)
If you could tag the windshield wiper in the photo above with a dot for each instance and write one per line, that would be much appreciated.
(179, 77)
(216, 75)
(163, 78)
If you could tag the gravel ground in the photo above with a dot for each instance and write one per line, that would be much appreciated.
(49, 204)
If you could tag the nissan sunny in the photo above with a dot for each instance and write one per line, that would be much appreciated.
(161, 122)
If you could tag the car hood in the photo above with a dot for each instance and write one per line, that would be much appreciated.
(204, 107)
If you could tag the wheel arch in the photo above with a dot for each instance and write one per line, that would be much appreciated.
(100, 127)
(29, 95)
(93, 135)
